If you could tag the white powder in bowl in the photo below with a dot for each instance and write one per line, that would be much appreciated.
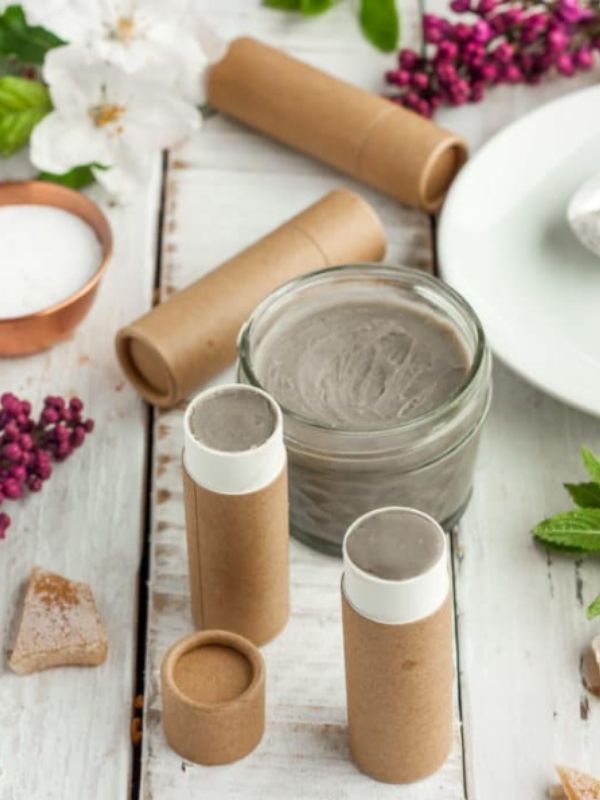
(46, 255)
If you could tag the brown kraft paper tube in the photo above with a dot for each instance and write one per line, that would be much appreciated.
(236, 508)
(398, 675)
(183, 342)
(213, 697)
(360, 133)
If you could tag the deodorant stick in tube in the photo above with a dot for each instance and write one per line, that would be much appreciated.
(236, 505)
(396, 611)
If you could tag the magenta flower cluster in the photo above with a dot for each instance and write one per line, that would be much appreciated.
(28, 447)
(502, 42)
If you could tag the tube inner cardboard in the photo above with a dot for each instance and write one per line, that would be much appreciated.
(384, 544)
(213, 697)
(359, 133)
(241, 470)
(180, 344)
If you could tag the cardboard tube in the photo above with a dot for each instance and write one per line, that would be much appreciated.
(359, 133)
(183, 342)
(213, 697)
(237, 525)
(397, 645)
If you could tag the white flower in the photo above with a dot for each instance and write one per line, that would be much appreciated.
(57, 16)
(105, 116)
(166, 39)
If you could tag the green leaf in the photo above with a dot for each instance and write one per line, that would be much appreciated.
(23, 103)
(585, 495)
(578, 530)
(284, 5)
(18, 39)
(304, 6)
(316, 6)
(591, 463)
(76, 178)
(380, 23)
(593, 610)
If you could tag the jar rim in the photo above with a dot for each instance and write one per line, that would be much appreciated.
(414, 277)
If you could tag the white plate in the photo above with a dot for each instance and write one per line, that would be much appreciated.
(506, 245)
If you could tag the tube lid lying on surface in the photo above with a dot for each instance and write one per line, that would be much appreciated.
(213, 697)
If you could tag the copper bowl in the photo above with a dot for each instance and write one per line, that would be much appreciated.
(33, 332)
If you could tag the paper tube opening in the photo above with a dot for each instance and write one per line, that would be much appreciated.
(212, 668)
(440, 171)
(146, 368)
(233, 439)
(395, 565)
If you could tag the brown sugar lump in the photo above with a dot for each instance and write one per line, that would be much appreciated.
(59, 626)
(578, 785)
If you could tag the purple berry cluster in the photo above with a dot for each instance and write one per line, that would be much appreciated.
(503, 42)
(27, 447)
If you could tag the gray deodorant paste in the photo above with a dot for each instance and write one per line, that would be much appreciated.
(365, 366)
(233, 420)
(383, 378)
(362, 365)
(394, 546)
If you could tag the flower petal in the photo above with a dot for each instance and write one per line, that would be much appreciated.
(59, 143)
(160, 118)
(74, 80)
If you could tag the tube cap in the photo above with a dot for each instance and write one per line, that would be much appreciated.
(213, 696)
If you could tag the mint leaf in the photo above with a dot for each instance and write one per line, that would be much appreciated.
(585, 495)
(593, 610)
(380, 23)
(23, 103)
(76, 178)
(316, 6)
(284, 5)
(591, 464)
(25, 42)
(577, 530)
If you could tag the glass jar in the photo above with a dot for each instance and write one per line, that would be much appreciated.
(424, 462)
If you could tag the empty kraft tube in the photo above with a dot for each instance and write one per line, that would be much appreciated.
(213, 697)
(358, 132)
(236, 508)
(170, 351)
(396, 612)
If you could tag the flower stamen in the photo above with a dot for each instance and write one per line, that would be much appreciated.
(124, 29)
(106, 114)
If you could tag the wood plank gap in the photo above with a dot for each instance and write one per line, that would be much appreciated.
(454, 565)
(433, 226)
(144, 568)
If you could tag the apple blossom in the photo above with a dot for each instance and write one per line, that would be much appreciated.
(106, 117)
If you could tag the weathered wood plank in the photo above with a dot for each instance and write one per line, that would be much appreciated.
(65, 732)
(521, 617)
(304, 752)
(226, 188)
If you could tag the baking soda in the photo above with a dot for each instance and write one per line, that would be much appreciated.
(46, 255)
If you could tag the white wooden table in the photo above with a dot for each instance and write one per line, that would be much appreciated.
(113, 514)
